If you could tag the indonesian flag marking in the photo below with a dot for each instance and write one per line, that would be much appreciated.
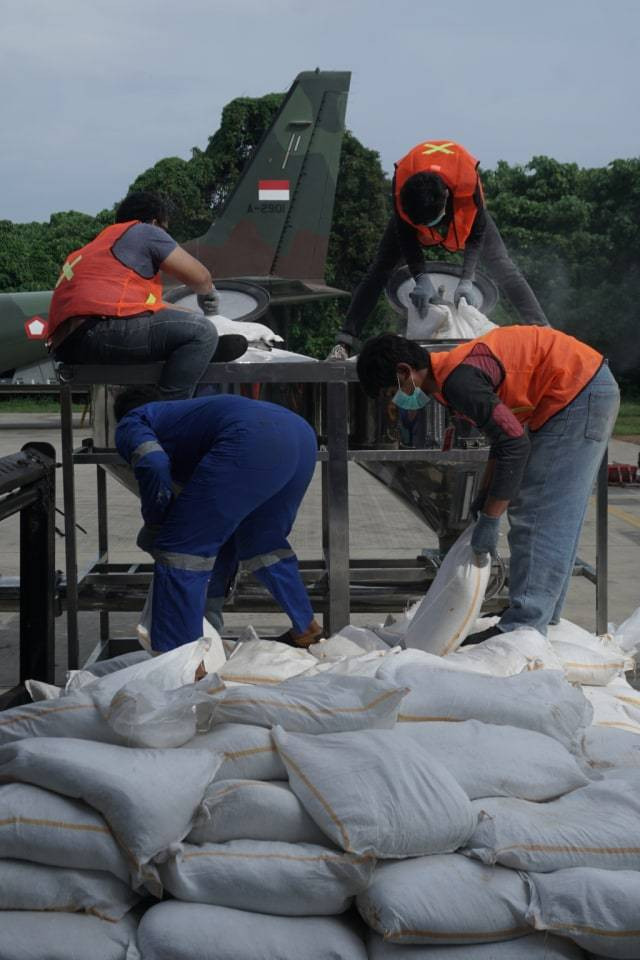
(273, 189)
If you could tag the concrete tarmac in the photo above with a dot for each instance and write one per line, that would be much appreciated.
(381, 526)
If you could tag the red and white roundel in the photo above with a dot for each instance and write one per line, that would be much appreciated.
(36, 328)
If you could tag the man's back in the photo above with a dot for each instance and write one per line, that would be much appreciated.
(187, 429)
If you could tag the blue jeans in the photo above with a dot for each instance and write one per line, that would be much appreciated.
(185, 341)
(547, 516)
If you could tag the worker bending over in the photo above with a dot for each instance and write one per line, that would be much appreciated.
(107, 306)
(438, 202)
(243, 467)
(547, 403)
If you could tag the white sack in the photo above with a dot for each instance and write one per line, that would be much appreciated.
(364, 665)
(449, 609)
(588, 665)
(253, 810)
(393, 667)
(32, 935)
(595, 826)
(195, 931)
(627, 635)
(145, 715)
(377, 792)
(599, 909)
(44, 827)
(445, 899)
(492, 761)
(100, 668)
(610, 711)
(628, 696)
(73, 716)
(33, 886)
(166, 671)
(363, 637)
(508, 654)
(254, 332)
(540, 700)
(148, 797)
(606, 747)
(321, 704)
(248, 752)
(295, 880)
(38, 690)
(265, 661)
(538, 946)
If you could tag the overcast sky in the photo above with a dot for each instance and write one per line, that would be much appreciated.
(95, 92)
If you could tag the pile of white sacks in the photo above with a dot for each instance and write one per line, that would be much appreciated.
(380, 796)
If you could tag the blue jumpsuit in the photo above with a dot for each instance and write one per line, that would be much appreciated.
(244, 467)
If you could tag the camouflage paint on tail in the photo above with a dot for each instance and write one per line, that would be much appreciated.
(277, 221)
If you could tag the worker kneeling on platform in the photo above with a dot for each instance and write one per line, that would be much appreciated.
(107, 306)
(243, 467)
(547, 403)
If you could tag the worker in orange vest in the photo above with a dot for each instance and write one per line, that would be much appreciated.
(547, 403)
(438, 202)
(107, 306)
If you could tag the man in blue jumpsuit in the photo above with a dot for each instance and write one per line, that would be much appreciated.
(243, 467)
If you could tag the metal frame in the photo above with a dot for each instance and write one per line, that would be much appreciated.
(335, 573)
(27, 487)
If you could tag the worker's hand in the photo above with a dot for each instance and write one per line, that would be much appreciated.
(484, 539)
(209, 303)
(147, 536)
(478, 503)
(465, 289)
(423, 294)
(339, 351)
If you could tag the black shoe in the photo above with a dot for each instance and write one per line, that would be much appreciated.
(482, 635)
(230, 347)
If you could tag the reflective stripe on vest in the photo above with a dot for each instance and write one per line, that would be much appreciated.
(184, 561)
(93, 283)
(459, 171)
(265, 560)
(149, 446)
(544, 369)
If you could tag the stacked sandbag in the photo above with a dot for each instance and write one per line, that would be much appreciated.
(352, 801)
(83, 815)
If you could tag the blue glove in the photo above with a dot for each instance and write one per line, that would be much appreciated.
(423, 294)
(147, 536)
(465, 289)
(484, 539)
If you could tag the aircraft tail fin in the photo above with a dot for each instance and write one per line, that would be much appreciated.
(277, 220)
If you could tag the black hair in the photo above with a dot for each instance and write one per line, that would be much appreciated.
(144, 205)
(423, 196)
(381, 355)
(132, 397)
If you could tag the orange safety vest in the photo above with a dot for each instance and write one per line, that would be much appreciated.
(94, 283)
(544, 369)
(459, 170)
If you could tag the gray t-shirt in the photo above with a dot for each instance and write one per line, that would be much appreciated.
(143, 248)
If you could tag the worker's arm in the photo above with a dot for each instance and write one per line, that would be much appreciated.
(471, 391)
(138, 444)
(475, 240)
(183, 267)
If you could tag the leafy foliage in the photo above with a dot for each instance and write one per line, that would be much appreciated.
(575, 232)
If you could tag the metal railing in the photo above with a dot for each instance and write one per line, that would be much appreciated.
(27, 487)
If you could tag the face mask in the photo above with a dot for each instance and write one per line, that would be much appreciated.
(410, 401)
